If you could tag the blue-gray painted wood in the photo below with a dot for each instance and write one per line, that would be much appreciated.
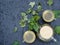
(9, 18)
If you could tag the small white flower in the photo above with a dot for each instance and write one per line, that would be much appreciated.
(32, 4)
(34, 12)
(39, 7)
(23, 14)
(25, 18)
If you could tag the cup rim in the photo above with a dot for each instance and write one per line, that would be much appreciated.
(24, 36)
(46, 11)
(42, 37)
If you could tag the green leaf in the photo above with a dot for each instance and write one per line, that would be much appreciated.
(36, 27)
(23, 14)
(31, 20)
(30, 27)
(36, 17)
(29, 11)
(25, 18)
(15, 29)
(39, 8)
(16, 43)
(50, 2)
(32, 4)
(33, 12)
(56, 13)
(33, 23)
(57, 29)
(22, 23)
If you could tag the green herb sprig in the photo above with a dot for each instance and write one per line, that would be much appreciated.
(15, 29)
(33, 21)
(56, 13)
(50, 2)
(39, 7)
(57, 29)
(16, 43)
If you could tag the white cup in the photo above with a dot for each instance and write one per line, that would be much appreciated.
(29, 37)
(46, 33)
(48, 16)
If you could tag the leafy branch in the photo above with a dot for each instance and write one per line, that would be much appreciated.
(33, 21)
(56, 13)
(57, 29)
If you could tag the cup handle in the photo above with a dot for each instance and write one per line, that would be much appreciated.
(54, 39)
(54, 18)
(23, 41)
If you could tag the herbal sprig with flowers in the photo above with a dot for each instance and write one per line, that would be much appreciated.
(33, 21)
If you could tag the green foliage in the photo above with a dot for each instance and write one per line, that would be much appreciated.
(39, 8)
(32, 4)
(33, 21)
(16, 43)
(22, 23)
(57, 29)
(36, 17)
(23, 19)
(56, 13)
(33, 12)
(50, 2)
(15, 29)
(29, 11)
(33, 24)
(23, 14)
(36, 27)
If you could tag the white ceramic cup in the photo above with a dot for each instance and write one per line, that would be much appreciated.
(46, 33)
(29, 37)
(48, 16)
